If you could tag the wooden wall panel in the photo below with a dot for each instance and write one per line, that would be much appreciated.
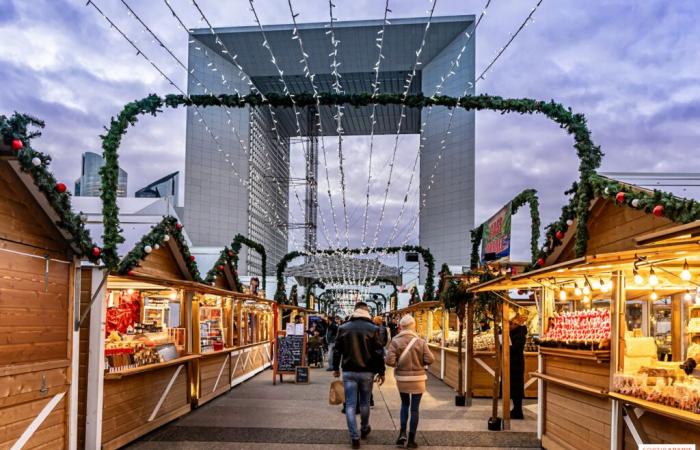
(35, 308)
(575, 420)
(130, 401)
(451, 369)
(22, 220)
(664, 430)
(209, 369)
(160, 263)
(434, 368)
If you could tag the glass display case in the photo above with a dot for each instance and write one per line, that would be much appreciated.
(212, 332)
(141, 328)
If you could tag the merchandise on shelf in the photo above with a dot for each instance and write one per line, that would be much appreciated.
(211, 330)
(669, 386)
(484, 342)
(587, 329)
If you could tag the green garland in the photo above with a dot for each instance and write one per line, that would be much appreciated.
(676, 209)
(527, 196)
(575, 124)
(428, 261)
(226, 257)
(168, 228)
(388, 281)
(236, 247)
(16, 127)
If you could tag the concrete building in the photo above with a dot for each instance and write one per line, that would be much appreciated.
(89, 183)
(166, 187)
(218, 205)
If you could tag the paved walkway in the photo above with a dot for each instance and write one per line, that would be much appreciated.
(258, 415)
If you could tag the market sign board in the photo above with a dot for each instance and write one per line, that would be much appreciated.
(495, 240)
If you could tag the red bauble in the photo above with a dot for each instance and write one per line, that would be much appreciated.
(540, 261)
(560, 235)
(61, 188)
(658, 210)
(178, 226)
(17, 145)
(620, 197)
(192, 258)
(230, 254)
(130, 273)
(220, 268)
(96, 252)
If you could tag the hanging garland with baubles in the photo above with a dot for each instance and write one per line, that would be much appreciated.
(258, 247)
(229, 258)
(160, 235)
(16, 138)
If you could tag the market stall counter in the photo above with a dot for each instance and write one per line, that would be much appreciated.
(141, 367)
(252, 336)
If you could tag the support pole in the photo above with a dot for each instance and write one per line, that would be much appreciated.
(505, 372)
(311, 198)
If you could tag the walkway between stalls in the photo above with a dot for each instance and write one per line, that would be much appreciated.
(258, 415)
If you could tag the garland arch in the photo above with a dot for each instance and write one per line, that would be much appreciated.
(428, 261)
(238, 240)
(527, 196)
(575, 124)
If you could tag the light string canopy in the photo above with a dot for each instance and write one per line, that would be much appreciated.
(139, 51)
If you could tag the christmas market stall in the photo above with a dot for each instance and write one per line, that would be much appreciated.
(141, 369)
(41, 244)
(616, 360)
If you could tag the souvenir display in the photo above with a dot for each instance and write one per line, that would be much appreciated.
(587, 329)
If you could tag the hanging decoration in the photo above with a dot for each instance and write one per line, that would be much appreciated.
(14, 130)
(258, 247)
(167, 227)
(527, 196)
(575, 124)
(229, 258)
(428, 261)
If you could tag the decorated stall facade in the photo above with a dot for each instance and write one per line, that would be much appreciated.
(41, 243)
(141, 364)
(612, 324)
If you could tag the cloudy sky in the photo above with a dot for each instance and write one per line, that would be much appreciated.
(631, 67)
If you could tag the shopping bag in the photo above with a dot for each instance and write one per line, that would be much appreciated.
(336, 395)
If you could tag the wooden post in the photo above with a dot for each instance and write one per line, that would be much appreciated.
(445, 329)
(497, 369)
(676, 327)
(617, 333)
(469, 350)
(96, 363)
(505, 373)
(74, 355)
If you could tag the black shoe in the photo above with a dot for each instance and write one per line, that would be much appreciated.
(401, 441)
(355, 443)
(411, 441)
(517, 415)
(343, 410)
(365, 433)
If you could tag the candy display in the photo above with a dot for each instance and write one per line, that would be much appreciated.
(678, 391)
(484, 342)
(587, 329)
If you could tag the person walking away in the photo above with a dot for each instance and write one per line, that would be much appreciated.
(331, 334)
(358, 347)
(408, 354)
(383, 330)
(518, 336)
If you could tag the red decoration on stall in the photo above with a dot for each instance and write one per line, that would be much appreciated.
(560, 235)
(620, 197)
(178, 226)
(192, 258)
(61, 188)
(96, 251)
(130, 273)
(658, 210)
(220, 267)
(17, 145)
(540, 261)
(230, 254)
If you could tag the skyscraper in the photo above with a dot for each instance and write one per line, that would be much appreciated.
(89, 183)
(168, 186)
(237, 160)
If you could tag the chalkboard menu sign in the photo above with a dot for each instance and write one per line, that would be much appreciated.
(290, 352)
(302, 375)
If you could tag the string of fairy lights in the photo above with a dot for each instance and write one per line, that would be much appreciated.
(254, 177)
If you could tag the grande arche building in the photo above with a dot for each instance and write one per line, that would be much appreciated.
(218, 205)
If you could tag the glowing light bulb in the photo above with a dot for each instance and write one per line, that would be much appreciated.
(638, 279)
(586, 290)
(653, 279)
(562, 295)
(577, 291)
(654, 295)
(685, 273)
(129, 291)
(172, 296)
(604, 286)
(687, 297)
(586, 299)
(596, 285)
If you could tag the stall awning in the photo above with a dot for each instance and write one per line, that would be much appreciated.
(415, 307)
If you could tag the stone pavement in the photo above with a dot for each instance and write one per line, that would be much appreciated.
(258, 415)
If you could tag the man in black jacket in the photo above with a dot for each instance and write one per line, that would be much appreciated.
(331, 334)
(359, 347)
